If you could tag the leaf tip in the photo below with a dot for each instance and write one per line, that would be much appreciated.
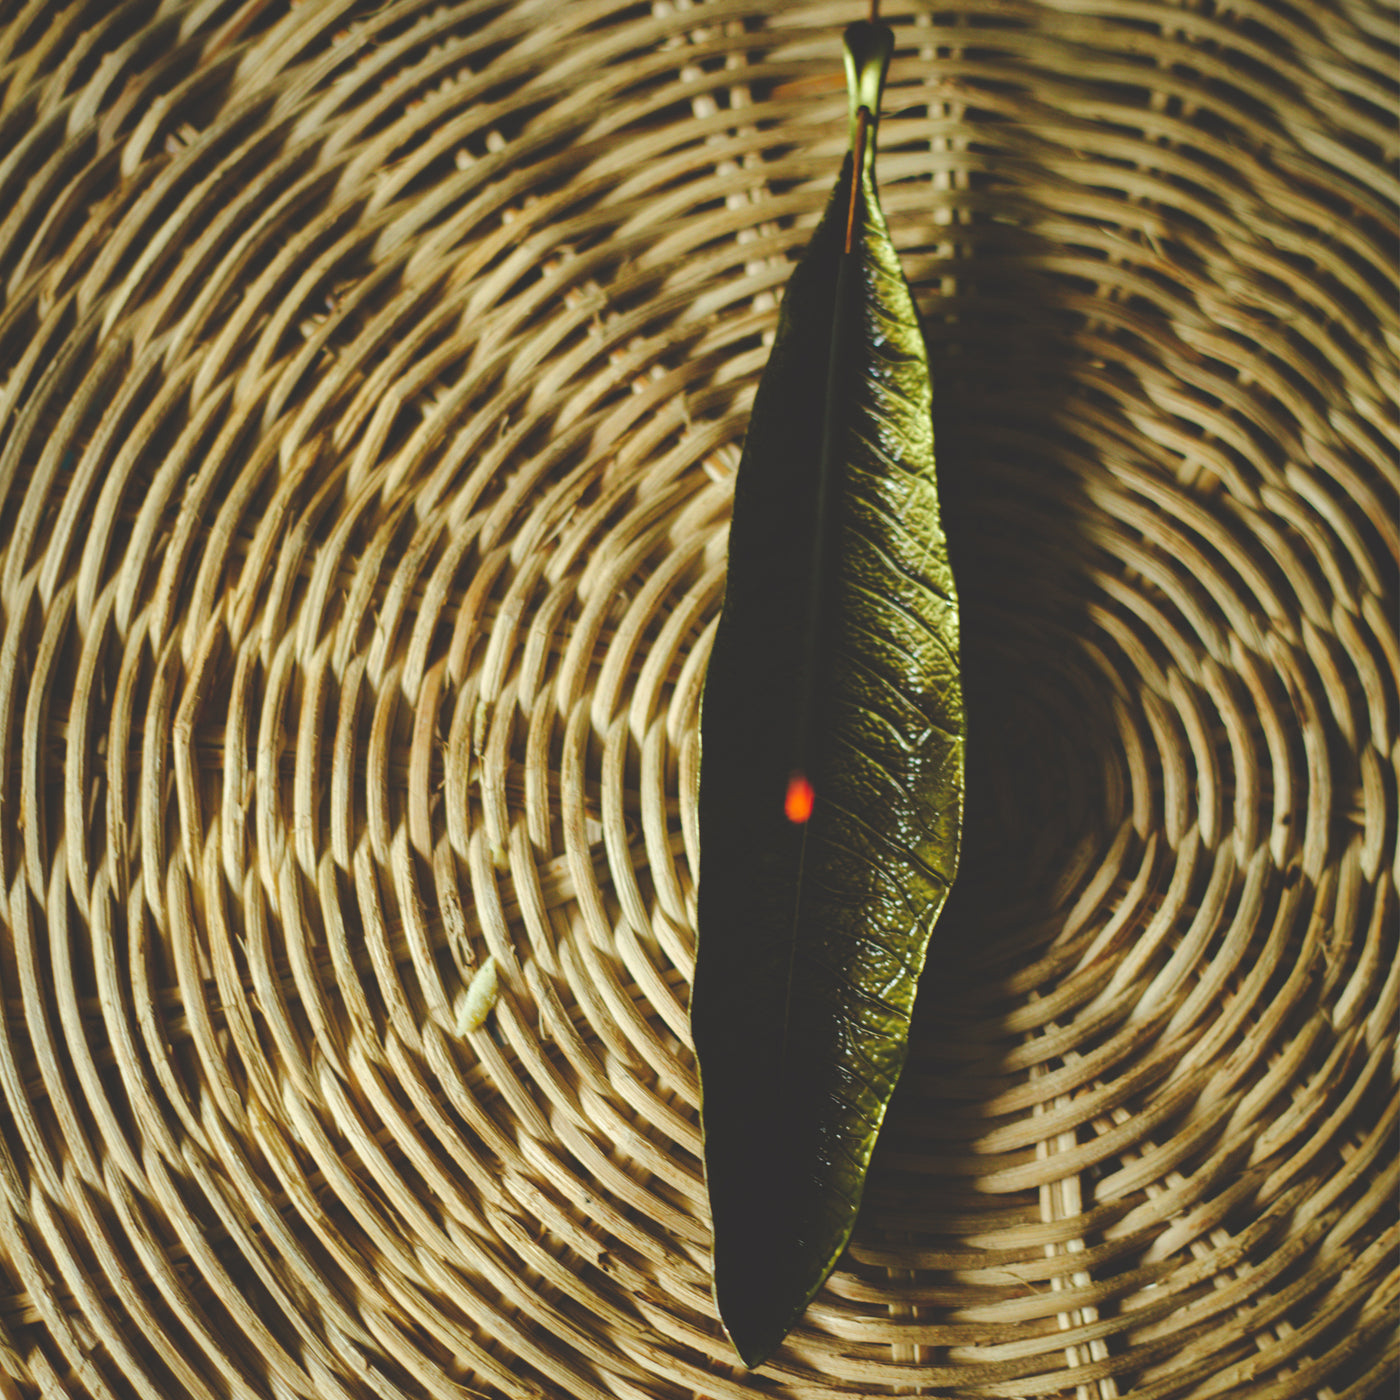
(755, 1335)
(755, 1354)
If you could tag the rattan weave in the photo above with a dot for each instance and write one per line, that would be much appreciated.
(372, 378)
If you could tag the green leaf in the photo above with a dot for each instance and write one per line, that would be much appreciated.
(835, 657)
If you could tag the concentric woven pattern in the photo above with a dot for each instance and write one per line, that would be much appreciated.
(372, 379)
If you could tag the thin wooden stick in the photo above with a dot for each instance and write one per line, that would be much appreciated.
(857, 164)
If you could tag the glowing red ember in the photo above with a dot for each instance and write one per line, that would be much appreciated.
(798, 804)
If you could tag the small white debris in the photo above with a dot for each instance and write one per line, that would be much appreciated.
(474, 1006)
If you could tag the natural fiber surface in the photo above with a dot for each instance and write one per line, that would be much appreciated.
(372, 379)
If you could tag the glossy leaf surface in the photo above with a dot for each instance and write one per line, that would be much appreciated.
(835, 658)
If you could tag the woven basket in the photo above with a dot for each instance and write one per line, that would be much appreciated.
(372, 379)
